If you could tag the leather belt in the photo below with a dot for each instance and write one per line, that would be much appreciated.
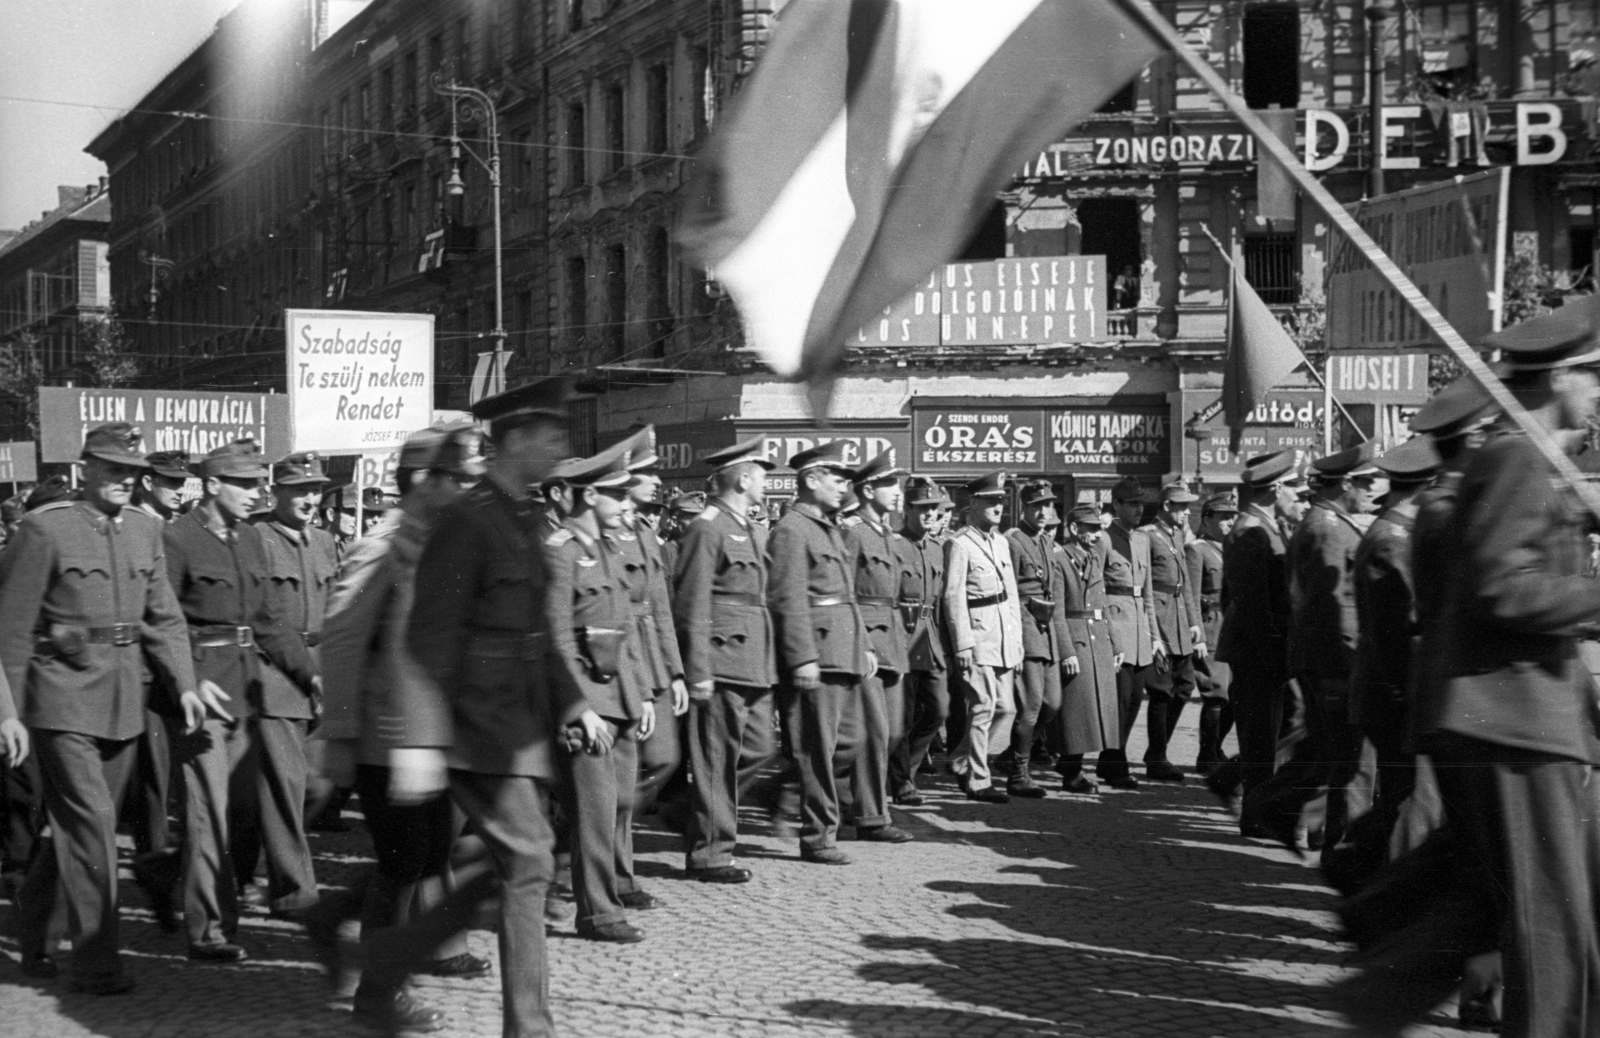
(987, 600)
(222, 636)
(1125, 590)
(875, 600)
(311, 638)
(738, 598)
(1091, 615)
(518, 645)
(116, 634)
(818, 601)
(1165, 588)
(70, 639)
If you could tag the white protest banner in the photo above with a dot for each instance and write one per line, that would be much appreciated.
(359, 382)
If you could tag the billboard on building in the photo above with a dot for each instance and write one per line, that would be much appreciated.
(1449, 238)
(359, 382)
(1379, 378)
(1087, 437)
(1025, 299)
(170, 420)
(18, 462)
(1288, 419)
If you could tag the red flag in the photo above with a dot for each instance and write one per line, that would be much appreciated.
(870, 141)
(1260, 353)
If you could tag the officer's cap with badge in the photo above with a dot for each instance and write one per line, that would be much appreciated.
(1220, 504)
(751, 451)
(850, 504)
(689, 504)
(880, 469)
(171, 464)
(922, 492)
(376, 499)
(240, 459)
(1176, 492)
(543, 399)
(116, 442)
(1087, 514)
(1266, 470)
(1564, 338)
(987, 489)
(1353, 463)
(828, 456)
(607, 470)
(1455, 410)
(1036, 491)
(299, 470)
(1415, 461)
(1128, 489)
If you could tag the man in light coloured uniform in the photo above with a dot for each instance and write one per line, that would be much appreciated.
(986, 632)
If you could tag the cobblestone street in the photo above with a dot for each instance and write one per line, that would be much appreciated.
(1134, 914)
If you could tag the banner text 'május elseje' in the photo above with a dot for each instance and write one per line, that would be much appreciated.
(358, 382)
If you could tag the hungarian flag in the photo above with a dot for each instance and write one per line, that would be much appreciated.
(1260, 353)
(870, 142)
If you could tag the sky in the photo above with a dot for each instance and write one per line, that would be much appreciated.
(105, 53)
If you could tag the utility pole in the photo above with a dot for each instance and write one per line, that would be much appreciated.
(1377, 13)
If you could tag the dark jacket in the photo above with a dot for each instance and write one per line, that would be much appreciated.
(1169, 587)
(1037, 595)
(644, 576)
(1089, 719)
(300, 574)
(812, 595)
(1204, 558)
(876, 564)
(719, 601)
(1322, 558)
(922, 602)
(592, 625)
(1130, 598)
(1386, 617)
(1255, 593)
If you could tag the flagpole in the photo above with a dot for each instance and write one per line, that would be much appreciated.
(1270, 144)
(1329, 401)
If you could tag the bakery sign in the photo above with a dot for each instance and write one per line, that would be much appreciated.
(1088, 438)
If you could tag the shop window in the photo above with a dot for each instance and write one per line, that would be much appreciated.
(1272, 56)
(989, 240)
(1109, 227)
(1272, 266)
(577, 166)
(577, 300)
(616, 301)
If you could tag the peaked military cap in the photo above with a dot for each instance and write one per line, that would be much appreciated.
(991, 486)
(607, 469)
(453, 447)
(541, 398)
(641, 447)
(878, 469)
(1035, 491)
(1220, 504)
(560, 471)
(850, 503)
(297, 469)
(172, 464)
(1087, 513)
(240, 459)
(1454, 409)
(115, 442)
(923, 491)
(1564, 338)
(1264, 470)
(340, 497)
(1127, 489)
(1415, 461)
(376, 498)
(751, 451)
(691, 503)
(828, 455)
(1354, 461)
(1177, 492)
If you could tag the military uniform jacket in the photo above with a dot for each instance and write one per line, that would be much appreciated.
(1036, 593)
(478, 629)
(922, 602)
(644, 576)
(1322, 559)
(1385, 617)
(1432, 565)
(811, 594)
(69, 568)
(1204, 558)
(1255, 592)
(589, 595)
(977, 568)
(1089, 719)
(1508, 666)
(719, 601)
(1129, 595)
(876, 564)
(300, 572)
(1170, 597)
(223, 585)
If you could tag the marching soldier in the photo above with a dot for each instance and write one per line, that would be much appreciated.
(84, 604)
(1045, 648)
(1134, 638)
(161, 488)
(1177, 627)
(1088, 722)
(874, 559)
(682, 510)
(720, 605)
(1212, 677)
(985, 623)
(927, 683)
(823, 652)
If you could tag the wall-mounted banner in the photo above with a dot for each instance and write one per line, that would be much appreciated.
(170, 420)
(18, 462)
(1035, 299)
(358, 382)
(1125, 439)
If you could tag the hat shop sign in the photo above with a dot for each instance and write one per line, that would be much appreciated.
(358, 382)
(168, 420)
(1122, 439)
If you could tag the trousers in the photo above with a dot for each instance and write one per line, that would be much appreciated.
(1169, 689)
(1113, 763)
(1257, 696)
(1038, 700)
(824, 729)
(21, 816)
(266, 805)
(145, 804)
(730, 741)
(660, 756)
(882, 726)
(927, 701)
(599, 800)
(991, 708)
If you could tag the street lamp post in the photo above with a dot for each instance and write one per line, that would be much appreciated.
(474, 103)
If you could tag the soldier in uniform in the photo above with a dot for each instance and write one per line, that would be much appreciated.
(161, 488)
(1045, 647)
(720, 608)
(683, 510)
(1177, 627)
(1254, 639)
(1332, 765)
(217, 563)
(985, 622)
(823, 652)
(1088, 722)
(84, 605)
(596, 656)
(927, 681)
(874, 558)
(1203, 555)
(1134, 638)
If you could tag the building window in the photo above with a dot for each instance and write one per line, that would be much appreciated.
(1272, 266)
(659, 108)
(1443, 50)
(616, 302)
(1272, 56)
(386, 98)
(616, 130)
(658, 260)
(433, 62)
(522, 159)
(1109, 227)
(409, 84)
(365, 115)
(574, 15)
(702, 90)
(463, 67)
(577, 300)
(577, 166)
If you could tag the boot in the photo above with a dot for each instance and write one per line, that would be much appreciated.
(1021, 783)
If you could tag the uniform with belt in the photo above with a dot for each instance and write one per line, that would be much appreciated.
(1130, 604)
(984, 619)
(720, 610)
(1088, 722)
(816, 621)
(1044, 642)
(921, 608)
(1212, 676)
(84, 606)
(219, 572)
(1177, 619)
